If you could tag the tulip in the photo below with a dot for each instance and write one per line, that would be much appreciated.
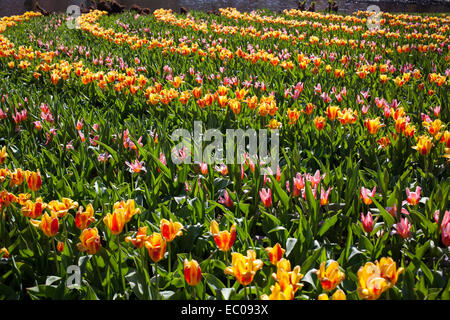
(192, 272)
(275, 253)
(33, 209)
(115, 221)
(315, 179)
(60, 246)
(34, 181)
(3, 155)
(84, 219)
(370, 282)
(23, 198)
(4, 173)
(347, 116)
(170, 230)
(332, 112)
(337, 295)
(319, 122)
(244, 268)
(373, 125)
(266, 197)
(413, 197)
(331, 276)
(287, 277)
(224, 239)
(90, 241)
(424, 144)
(129, 207)
(367, 222)
(4, 253)
(204, 168)
(366, 194)
(445, 229)
(141, 237)
(299, 184)
(136, 166)
(48, 224)
(389, 271)
(323, 296)
(278, 294)
(156, 246)
(17, 177)
(62, 208)
(403, 228)
(226, 199)
(324, 196)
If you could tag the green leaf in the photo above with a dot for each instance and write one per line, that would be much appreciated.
(329, 222)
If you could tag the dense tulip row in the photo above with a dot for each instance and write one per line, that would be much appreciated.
(363, 171)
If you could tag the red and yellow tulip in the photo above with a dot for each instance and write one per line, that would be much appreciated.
(192, 272)
(224, 239)
(170, 230)
(244, 268)
(90, 241)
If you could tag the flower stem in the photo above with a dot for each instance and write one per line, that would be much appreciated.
(226, 261)
(122, 280)
(156, 281)
(55, 254)
(168, 253)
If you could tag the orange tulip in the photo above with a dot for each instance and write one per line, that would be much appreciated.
(224, 239)
(347, 116)
(34, 181)
(141, 237)
(424, 144)
(170, 230)
(62, 208)
(373, 125)
(156, 247)
(319, 122)
(4, 253)
(115, 221)
(60, 246)
(90, 241)
(84, 219)
(33, 209)
(332, 112)
(48, 224)
(3, 155)
(192, 272)
(17, 177)
(129, 208)
(275, 253)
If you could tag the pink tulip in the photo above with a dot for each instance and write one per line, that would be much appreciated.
(366, 194)
(298, 185)
(226, 199)
(204, 168)
(367, 222)
(315, 180)
(324, 196)
(413, 197)
(266, 197)
(403, 228)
